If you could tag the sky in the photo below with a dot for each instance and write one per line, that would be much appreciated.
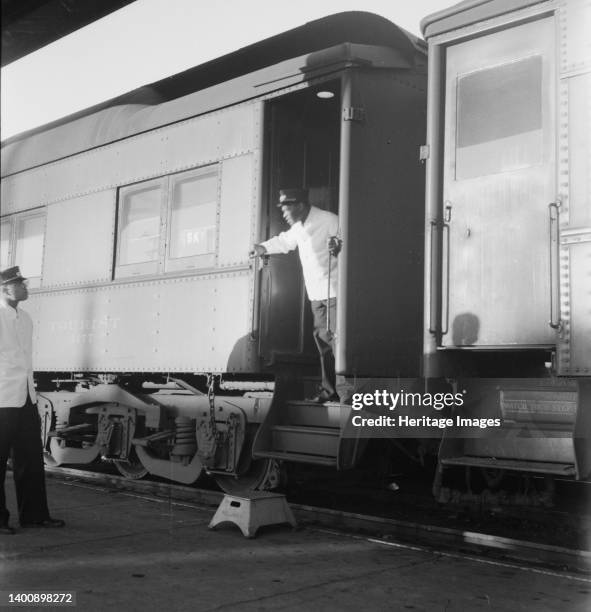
(152, 39)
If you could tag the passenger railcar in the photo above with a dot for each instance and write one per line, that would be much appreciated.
(508, 231)
(158, 343)
(161, 346)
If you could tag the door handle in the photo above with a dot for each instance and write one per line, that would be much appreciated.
(445, 266)
(433, 280)
(555, 321)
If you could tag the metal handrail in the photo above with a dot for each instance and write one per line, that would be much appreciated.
(555, 321)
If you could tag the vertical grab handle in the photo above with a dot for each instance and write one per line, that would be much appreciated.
(328, 293)
(445, 267)
(445, 279)
(443, 270)
(433, 280)
(554, 213)
(434, 277)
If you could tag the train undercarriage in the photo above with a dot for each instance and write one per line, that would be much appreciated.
(162, 427)
(243, 433)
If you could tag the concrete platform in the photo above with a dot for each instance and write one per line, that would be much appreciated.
(131, 552)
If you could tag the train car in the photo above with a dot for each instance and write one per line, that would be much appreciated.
(508, 233)
(159, 345)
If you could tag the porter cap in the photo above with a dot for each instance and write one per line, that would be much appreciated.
(292, 196)
(10, 275)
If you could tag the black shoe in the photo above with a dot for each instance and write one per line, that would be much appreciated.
(323, 397)
(5, 529)
(48, 522)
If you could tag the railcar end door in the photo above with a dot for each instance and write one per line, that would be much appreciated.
(499, 179)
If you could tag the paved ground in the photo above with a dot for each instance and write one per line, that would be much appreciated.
(127, 552)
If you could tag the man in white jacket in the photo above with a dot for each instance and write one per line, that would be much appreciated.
(19, 420)
(314, 232)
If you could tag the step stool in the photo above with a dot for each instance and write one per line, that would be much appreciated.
(249, 513)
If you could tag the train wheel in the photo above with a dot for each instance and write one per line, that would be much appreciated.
(263, 474)
(132, 468)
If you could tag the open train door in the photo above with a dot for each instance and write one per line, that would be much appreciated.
(381, 216)
(499, 193)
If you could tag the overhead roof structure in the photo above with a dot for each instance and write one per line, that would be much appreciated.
(28, 25)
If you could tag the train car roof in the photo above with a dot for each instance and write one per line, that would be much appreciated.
(124, 115)
(469, 12)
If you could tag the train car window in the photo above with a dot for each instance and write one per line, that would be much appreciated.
(193, 220)
(499, 118)
(28, 252)
(5, 237)
(140, 213)
(168, 224)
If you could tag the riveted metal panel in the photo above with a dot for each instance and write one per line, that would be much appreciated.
(98, 329)
(235, 346)
(237, 210)
(186, 324)
(32, 306)
(79, 240)
(575, 147)
(575, 25)
(574, 338)
(181, 146)
(185, 330)
(574, 347)
(203, 324)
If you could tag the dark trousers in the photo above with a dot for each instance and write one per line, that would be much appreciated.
(325, 340)
(20, 432)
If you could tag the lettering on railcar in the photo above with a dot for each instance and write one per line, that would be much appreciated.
(84, 331)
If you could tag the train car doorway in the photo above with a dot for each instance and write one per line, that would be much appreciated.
(302, 139)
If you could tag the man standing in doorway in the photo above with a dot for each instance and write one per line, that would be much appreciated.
(19, 420)
(314, 232)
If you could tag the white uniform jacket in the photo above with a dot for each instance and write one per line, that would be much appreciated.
(311, 240)
(16, 357)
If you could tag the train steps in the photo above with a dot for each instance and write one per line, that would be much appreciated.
(301, 432)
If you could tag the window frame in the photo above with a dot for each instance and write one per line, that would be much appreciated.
(8, 220)
(465, 165)
(146, 267)
(165, 264)
(15, 220)
(203, 260)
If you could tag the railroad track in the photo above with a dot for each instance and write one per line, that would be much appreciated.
(392, 530)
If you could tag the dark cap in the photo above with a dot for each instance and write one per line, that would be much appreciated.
(11, 275)
(292, 196)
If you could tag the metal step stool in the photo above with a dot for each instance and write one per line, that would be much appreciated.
(250, 513)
